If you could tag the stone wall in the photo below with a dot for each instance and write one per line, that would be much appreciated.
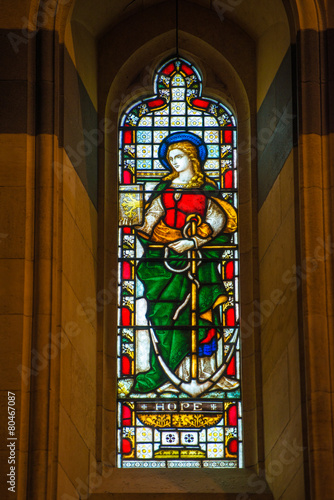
(67, 65)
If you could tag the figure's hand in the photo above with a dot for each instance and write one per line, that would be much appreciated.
(181, 246)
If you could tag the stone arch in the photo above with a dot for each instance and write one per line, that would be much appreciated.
(235, 94)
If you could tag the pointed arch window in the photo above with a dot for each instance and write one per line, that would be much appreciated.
(179, 381)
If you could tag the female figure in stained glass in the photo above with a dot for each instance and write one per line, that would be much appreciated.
(186, 223)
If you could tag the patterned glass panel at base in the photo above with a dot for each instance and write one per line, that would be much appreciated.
(179, 380)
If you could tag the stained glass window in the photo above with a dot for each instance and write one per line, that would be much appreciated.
(179, 381)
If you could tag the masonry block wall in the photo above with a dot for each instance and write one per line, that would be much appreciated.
(278, 305)
(81, 136)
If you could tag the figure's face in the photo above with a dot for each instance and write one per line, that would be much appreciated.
(180, 161)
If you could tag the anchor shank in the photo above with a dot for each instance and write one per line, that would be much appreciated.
(193, 309)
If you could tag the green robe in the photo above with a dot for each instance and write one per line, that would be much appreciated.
(165, 291)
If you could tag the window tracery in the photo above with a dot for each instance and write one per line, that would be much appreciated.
(179, 394)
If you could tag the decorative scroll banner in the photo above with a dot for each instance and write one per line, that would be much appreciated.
(196, 420)
(131, 205)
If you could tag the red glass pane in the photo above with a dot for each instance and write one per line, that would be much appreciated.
(228, 178)
(230, 317)
(233, 446)
(209, 336)
(126, 271)
(232, 415)
(200, 103)
(126, 366)
(126, 446)
(126, 415)
(168, 69)
(156, 103)
(186, 69)
(127, 137)
(231, 367)
(229, 270)
(127, 177)
(126, 316)
(127, 230)
(228, 136)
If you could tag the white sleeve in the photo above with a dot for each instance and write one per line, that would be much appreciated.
(152, 215)
(216, 219)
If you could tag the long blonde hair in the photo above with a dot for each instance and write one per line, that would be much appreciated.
(190, 150)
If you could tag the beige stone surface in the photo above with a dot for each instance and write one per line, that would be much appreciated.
(279, 259)
(12, 236)
(22, 479)
(322, 477)
(294, 372)
(276, 402)
(45, 144)
(287, 184)
(252, 439)
(79, 265)
(109, 445)
(13, 159)
(313, 274)
(286, 456)
(40, 406)
(99, 471)
(181, 496)
(271, 49)
(248, 332)
(181, 483)
(73, 452)
(11, 16)
(28, 294)
(318, 363)
(280, 339)
(311, 201)
(66, 372)
(36, 482)
(270, 218)
(83, 401)
(65, 171)
(64, 485)
(246, 267)
(81, 46)
(277, 330)
(23, 421)
(81, 321)
(11, 289)
(295, 490)
(86, 217)
(110, 380)
(79, 204)
(320, 422)
(249, 395)
(246, 233)
(11, 328)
